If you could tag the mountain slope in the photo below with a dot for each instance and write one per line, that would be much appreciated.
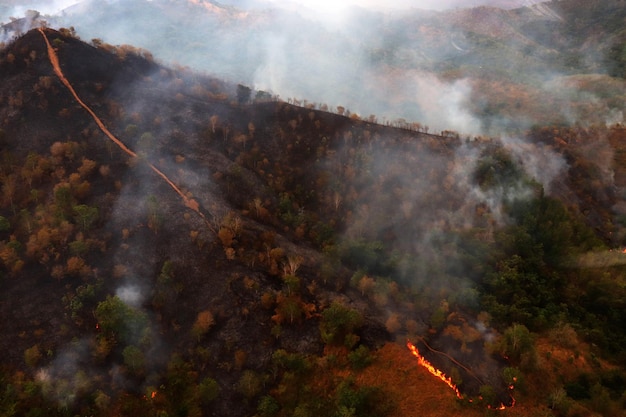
(318, 239)
(142, 242)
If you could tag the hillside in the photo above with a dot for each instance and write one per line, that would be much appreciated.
(237, 254)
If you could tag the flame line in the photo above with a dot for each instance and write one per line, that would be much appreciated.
(448, 380)
(459, 364)
(434, 371)
(54, 60)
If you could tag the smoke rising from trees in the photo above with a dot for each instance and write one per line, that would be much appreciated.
(419, 194)
(366, 59)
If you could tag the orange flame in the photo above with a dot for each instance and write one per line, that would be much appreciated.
(154, 393)
(439, 374)
(434, 371)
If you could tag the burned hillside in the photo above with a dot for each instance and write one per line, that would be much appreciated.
(243, 253)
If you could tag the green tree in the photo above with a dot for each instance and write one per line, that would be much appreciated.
(208, 390)
(361, 401)
(165, 290)
(551, 228)
(146, 143)
(64, 201)
(289, 308)
(559, 401)
(85, 216)
(268, 407)
(292, 284)
(513, 378)
(360, 358)
(296, 363)
(79, 248)
(527, 284)
(117, 319)
(249, 384)
(339, 321)
(517, 343)
(369, 256)
(102, 401)
(497, 169)
(4, 224)
(182, 383)
(488, 394)
(134, 359)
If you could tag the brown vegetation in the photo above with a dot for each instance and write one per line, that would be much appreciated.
(303, 270)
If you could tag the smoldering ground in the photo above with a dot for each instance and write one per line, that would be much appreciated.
(123, 320)
(126, 348)
(435, 205)
(420, 198)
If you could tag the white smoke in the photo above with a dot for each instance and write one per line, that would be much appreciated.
(445, 105)
(271, 73)
(335, 6)
(68, 376)
(45, 7)
(131, 294)
(539, 161)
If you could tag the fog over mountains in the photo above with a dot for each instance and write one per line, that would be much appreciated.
(386, 5)
(16, 8)
(399, 61)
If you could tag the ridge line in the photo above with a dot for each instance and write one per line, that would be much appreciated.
(54, 61)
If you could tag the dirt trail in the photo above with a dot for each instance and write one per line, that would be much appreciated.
(54, 60)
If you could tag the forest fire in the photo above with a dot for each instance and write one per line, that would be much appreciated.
(448, 381)
(434, 371)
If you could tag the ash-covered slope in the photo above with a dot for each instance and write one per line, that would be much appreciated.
(105, 266)
(313, 239)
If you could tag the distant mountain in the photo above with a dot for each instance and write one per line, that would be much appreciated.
(427, 67)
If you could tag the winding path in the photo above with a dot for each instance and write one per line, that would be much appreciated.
(54, 60)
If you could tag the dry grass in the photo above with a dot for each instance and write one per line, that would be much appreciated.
(417, 393)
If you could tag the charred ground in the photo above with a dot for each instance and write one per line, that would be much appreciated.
(323, 238)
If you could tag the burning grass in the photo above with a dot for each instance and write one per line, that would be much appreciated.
(437, 373)
(417, 393)
(413, 388)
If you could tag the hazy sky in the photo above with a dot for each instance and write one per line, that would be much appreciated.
(17, 9)
(324, 6)
(337, 5)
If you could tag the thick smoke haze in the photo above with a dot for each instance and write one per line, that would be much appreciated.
(334, 6)
(402, 63)
(369, 60)
(366, 57)
(17, 8)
